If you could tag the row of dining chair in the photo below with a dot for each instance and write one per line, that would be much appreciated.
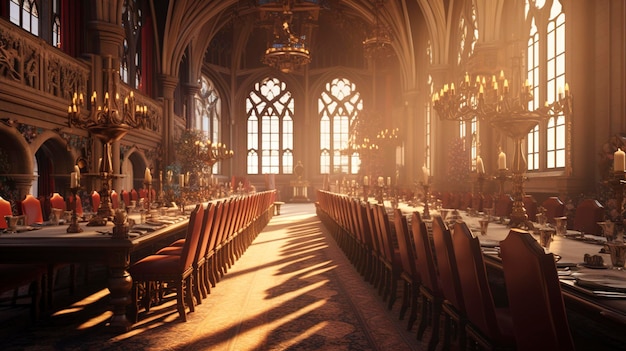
(217, 234)
(365, 234)
(446, 281)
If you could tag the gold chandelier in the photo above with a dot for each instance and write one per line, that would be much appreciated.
(288, 52)
(377, 45)
(492, 100)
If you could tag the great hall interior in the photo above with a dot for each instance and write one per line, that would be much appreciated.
(143, 107)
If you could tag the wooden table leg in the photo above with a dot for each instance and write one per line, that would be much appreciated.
(120, 284)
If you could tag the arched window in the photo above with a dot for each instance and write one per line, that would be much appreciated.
(270, 109)
(56, 23)
(25, 14)
(546, 74)
(130, 63)
(338, 108)
(208, 113)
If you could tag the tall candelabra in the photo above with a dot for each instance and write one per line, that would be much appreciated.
(492, 101)
(108, 122)
(210, 154)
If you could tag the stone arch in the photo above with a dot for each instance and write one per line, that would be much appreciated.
(132, 169)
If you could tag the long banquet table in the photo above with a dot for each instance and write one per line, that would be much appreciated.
(53, 245)
(607, 311)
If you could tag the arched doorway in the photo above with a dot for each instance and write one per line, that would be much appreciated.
(133, 168)
(53, 164)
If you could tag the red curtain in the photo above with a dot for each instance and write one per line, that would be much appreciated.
(71, 19)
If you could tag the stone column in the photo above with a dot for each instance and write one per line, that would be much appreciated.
(190, 96)
(169, 84)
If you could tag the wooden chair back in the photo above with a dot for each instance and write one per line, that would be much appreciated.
(534, 292)
(479, 304)
(530, 204)
(554, 208)
(588, 213)
(424, 254)
(405, 244)
(446, 264)
(192, 238)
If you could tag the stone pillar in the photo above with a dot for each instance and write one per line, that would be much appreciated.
(190, 113)
(414, 151)
(169, 84)
(23, 183)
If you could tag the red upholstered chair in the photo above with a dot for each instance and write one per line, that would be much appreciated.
(115, 200)
(453, 306)
(200, 290)
(46, 207)
(534, 292)
(5, 210)
(530, 204)
(430, 290)
(409, 274)
(95, 201)
(554, 208)
(126, 198)
(134, 195)
(175, 270)
(588, 213)
(31, 208)
(57, 201)
(488, 328)
(79, 205)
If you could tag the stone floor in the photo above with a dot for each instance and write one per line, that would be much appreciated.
(293, 289)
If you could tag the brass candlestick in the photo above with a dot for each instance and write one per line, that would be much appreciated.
(74, 227)
(426, 212)
(479, 197)
(617, 183)
(502, 177)
(148, 200)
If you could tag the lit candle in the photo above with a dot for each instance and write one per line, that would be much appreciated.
(147, 176)
(73, 183)
(77, 171)
(426, 173)
(181, 180)
(480, 167)
(619, 161)
(501, 160)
